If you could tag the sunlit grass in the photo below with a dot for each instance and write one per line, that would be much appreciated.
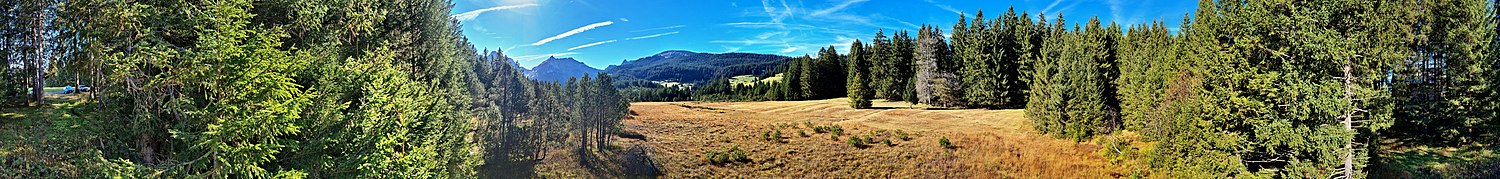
(1423, 161)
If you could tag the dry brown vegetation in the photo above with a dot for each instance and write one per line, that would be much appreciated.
(987, 143)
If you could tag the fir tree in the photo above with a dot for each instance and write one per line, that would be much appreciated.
(858, 83)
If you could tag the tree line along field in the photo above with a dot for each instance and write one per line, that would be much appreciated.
(1298, 89)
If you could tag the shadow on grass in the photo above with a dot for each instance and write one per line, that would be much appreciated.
(1439, 162)
(513, 169)
(634, 162)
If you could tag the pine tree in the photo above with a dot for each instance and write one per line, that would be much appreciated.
(792, 77)
(1144, 70)
(1026, 45)
(1044, 104)
(903, 67)
(825, 75)
(1446, 83)
(979, 71)
(858, 83)
(880, 57)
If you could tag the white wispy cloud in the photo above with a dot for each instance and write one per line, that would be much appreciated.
(838, 7)
(945, 7)
(788, 50)
(1054, 4)
(842, 42)
(784, 27)
(466, 16)
(591, 44)
(768, 35)
(660, 28)
(908, 24)
(652, 36)
(1050, 6)
(573, 32)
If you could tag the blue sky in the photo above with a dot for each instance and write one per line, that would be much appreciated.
(606, 32)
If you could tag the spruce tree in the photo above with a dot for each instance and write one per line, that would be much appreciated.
(880, 69)
(858, 83)
(792, 77)
(902, 66)
(974, 50)
(1044, 104)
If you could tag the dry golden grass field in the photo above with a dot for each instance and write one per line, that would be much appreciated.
(985, 143)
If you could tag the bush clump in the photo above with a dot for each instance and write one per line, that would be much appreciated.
(835, 129)
(771, 135)
(733, 155)
(856, 141)
(902, 135)
(776, 135)
(945, 143)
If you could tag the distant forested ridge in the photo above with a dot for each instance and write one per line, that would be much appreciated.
(693, 67)
(287, 89)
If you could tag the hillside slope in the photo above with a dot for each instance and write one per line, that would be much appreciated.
(693, 67)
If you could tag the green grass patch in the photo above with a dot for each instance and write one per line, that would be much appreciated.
(1468, 161)
(772, 79)
(48, 140)
(746, 80)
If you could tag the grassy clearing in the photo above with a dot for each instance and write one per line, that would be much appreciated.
(1420, 161)
(773, 79)
(747, 80)
(982, 143)
(50, 140)
(673, 84)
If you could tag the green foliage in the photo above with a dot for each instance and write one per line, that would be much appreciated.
(892, 67)
(902, 135)
(994, 55)
(858, 84)
(1144, 71)
(1457, 106)
(945, 143)
(731, 156)
(772, 136)
(792, 88)
(291, 89)
(857, 142)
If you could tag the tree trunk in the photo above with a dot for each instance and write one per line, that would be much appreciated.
(1348, 121)
(37, 83)
(148, 149)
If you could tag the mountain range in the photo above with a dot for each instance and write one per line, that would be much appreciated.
(559, 69)
(672, 65)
